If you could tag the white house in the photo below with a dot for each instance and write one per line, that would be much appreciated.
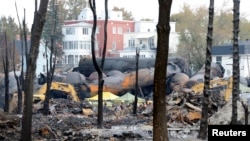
(41, 65)
(144, 41)
(145, 38)
(76, 42)
(223, 54)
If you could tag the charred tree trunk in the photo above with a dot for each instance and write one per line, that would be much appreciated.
(136, 83)
(31, 58)
(160, 132)
(6, 73)
(18, 82)
(236, 69)
(97, 67)
(19, 79)
(204, 122)
(50, 64)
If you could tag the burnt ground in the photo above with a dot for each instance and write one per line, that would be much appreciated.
(71, 124)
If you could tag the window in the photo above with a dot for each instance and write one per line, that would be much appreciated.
(76, 59)
(65, 59)
(88, 45)
(114, 45)
(85, 31)
(70, 31)
(119, 30)
(81, 44)
(218, 59)
(114, 30)
(151, 42)
(71, 45)
(70, 59)
(65, 45)
(128, 30)
(131, 43)
(84, 45)
(75, 45)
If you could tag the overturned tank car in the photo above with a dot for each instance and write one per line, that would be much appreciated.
(175, 64)
(125, 81)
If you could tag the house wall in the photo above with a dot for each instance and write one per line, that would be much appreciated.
(142, 54)
(227, 62)
(115, 37)
(41, 60)
(142, 37)
(150, 26)
(82, 43)
(145, 26)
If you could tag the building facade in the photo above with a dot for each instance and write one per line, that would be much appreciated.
(145, 39)
(116, 27)
(223, 54)
(76, 41)
(123, 37)
(41, 63)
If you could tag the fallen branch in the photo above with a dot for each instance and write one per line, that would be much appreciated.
(192, 106)
(245, 106)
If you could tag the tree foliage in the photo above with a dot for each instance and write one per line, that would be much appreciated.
(74, 7)
(8, 25)
(10, 28)
(62, 10)
(126, 15)
(191, 24)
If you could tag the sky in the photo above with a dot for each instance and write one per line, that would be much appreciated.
(139, 8)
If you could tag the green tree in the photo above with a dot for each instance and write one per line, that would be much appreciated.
(126, 15)
(222, 22)
(55, 15)
(74, 7)
(245, 29)
(64, 10)
(8, 25)
(192, 25)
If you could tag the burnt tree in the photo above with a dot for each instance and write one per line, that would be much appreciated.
(236, 68)
(97, 67)
(50, 64)
(19, 79)
(5, 59)
(159, 113)
(206, 92)
(31, 58)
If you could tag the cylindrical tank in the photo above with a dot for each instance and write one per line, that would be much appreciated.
(86, 65)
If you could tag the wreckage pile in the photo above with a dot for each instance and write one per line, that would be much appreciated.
(72, 120)
(77, 121)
